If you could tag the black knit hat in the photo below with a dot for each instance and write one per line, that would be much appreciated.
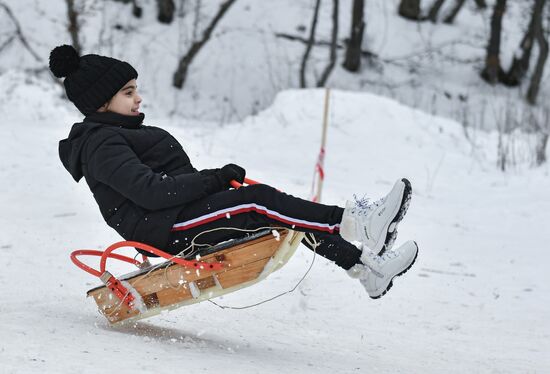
(91, 80)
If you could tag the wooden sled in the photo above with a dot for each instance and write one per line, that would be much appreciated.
(152, 289)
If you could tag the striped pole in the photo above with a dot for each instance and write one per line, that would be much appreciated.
(319, 173)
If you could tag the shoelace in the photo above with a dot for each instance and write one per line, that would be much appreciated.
(364, 205)
(388, 255)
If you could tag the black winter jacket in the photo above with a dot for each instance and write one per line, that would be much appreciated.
(140, 176)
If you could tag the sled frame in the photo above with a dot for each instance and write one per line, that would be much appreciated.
(167, 286)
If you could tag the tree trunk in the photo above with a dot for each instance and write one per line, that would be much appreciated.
(181, 73)
(534, 87)
(410, 9)
(73, 26)
(309, 45)
(333, 43)
(481, 4)
(541, 149)
(451, 17)
(137, 11)
(353, 51)
(492, 69)
(520, 64)
(434, 10)
(166, 10)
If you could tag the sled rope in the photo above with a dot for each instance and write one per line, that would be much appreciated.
(314, 245)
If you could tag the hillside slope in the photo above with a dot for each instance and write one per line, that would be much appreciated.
(477, 299)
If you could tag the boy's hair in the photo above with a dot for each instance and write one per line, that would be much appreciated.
(91, 80)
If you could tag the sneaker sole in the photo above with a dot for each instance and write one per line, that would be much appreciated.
(397, 275)
(391, 232)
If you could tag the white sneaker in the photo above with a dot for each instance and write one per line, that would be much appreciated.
(375, 224)
(377, 272)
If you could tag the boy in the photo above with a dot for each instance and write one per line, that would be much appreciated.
(148, 190)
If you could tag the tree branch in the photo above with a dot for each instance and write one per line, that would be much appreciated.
(321, 43)
(481, 4)
(73, 26)
(410, 9)
(520, 64)
(534, 87)
(19, 33)
(181, 73)
(309, 45)
(451, 17)
(7, 42)
(326, 73)
(434, 10)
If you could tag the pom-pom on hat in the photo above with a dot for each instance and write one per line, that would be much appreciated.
(90, 80)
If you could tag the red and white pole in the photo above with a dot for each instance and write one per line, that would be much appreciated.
(319, 173)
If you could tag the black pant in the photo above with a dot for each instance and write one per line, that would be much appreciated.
(256, 206)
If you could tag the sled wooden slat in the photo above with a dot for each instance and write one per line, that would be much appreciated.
(244, 274)
(168, 285)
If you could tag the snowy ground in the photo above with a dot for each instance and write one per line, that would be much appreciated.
(477, 299)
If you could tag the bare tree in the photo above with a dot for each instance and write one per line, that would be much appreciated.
(492, 69)
(73, 26)
(322, 43)
(137, 11)
(434, 10)
(540, 157)
(309, 45)
(353, 51)
(540, 121)
(166, 9)
(534, 86)
(410, 9)
(520, 63)
(452, 15)
(333, 43)
(507, 120)
(181, 72)
(18, 33)
(481, 4)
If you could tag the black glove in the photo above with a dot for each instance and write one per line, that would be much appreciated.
(232, 172)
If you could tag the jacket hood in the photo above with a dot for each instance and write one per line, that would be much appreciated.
(70, 149)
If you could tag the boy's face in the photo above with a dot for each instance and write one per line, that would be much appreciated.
(126, 101)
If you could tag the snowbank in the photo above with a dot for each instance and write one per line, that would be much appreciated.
(476, 300)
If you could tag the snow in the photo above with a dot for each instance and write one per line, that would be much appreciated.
(476, 300)
(241, 69)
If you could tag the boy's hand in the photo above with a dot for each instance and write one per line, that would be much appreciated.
(232, 172)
